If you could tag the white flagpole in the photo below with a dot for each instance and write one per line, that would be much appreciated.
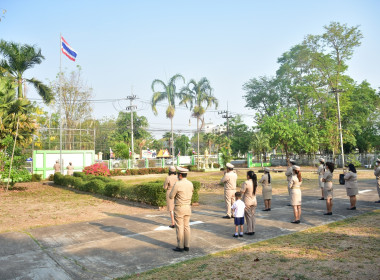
(60, 103)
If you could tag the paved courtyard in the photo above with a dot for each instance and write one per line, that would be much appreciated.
(126, 244)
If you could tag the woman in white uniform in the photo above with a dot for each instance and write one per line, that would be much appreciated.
(267, 188)
(328, 187)
(248, 189)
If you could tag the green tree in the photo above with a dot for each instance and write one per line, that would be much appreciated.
(182, 144)
(168, 92)
(16, 60)
(260, 145)
(194, 95)
(121, 150)
(210, 139)
(240, 136)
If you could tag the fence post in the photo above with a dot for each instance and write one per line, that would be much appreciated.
(178, 160)
(249, 160)
(146, 163)
(162, 162)
(192, 160)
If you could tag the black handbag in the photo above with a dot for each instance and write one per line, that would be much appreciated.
(341, 179)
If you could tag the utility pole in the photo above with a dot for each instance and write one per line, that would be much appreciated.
(336, 92)
(227, 116)
(131, 107)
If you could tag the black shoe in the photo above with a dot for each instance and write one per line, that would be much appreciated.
(187, 249)
(268, 209)
(377, 201)
(176, 249)
(226, 217)
(298, 221)
(295, 222)
(265, 210)
(351, 208)
(322, 198)
(251, 233)
(329, 213)
(172, 226)
(235, 235)
(241, 235)
(288, 204)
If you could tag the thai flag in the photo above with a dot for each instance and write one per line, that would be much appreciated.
(67, 50)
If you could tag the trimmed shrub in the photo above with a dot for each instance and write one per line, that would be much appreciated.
(150, 193)
(113, 189)
(36, 177)
(97, 169)
(96, 186)
(116, 172)
(58, 178)
(197, 186)
(79, 174)
(101, 178)
(51, 177)
(78, 183)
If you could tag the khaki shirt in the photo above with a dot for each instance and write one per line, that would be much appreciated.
(170, 181)
(247, 190)
(328, 176)
(182, 192)
(229, 180)
(289, 173)
(295, 183)
(264, 180)
(377, 172)
(321, 170)
(70, 170)
(350, 179)
(57, 167)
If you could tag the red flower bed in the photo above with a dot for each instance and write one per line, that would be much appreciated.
(97, 169)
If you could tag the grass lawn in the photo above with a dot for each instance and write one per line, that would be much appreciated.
(348, 249)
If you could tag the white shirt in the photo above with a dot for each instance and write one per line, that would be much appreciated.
(238, 208)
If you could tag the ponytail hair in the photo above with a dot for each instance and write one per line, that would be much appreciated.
(251, 175)
(268, 177)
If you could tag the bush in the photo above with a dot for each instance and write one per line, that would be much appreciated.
(78, 183)
(352, 159)
(139, 171)
(58, 178)
(79, 174)
(96, 186)
(116, 172)
(51, 177)
(97, 169)
(197, 186)
(113, 189)
(36, 177)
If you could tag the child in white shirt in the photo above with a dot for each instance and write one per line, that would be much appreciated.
(238, 208)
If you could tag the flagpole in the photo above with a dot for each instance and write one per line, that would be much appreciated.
(60, 103)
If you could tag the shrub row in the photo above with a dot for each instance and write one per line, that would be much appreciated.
(139, 171)
(150, 193)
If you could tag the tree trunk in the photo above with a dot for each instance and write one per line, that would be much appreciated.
(13, 152)
(172, 141)
(198, 144)
(19, 88)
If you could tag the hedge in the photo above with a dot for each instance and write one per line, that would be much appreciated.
(151, 193)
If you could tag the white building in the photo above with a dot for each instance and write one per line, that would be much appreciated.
(216, 129)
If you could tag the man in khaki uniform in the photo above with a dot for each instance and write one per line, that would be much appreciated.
(289, 175)
(70, 169)
(57, 167)
(229, 180)
(377, 175)
(182, 193)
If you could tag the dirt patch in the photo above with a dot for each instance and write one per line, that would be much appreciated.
(36, 205)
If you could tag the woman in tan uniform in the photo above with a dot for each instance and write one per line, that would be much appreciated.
(170, 180)
(351, 183)
(248, 189)
(267, 189)
(295, 194)
(328, 187)
(321, 171)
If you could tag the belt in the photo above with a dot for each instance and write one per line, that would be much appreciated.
(179, 205)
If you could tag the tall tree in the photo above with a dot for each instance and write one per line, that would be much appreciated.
(194, 95)
(75, 96)
(18, 58)
(260, 145)
(168, 92)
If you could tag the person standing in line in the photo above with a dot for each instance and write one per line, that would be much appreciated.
(57, 167)
(229, 180)
(321, 171)
(351, 182)
(70, 169)
(238, 208)
(328, 187)
(248, 190)
(170, 180)
(377, 175)
(182, 193)
(289, 174)
(267, 189)
(295, 194)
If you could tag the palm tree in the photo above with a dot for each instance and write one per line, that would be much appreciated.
(210, 139)
(16, 60)
(260, 145)
(195, 94)
(169, 92)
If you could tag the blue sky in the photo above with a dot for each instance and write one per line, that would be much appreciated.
(125, 44)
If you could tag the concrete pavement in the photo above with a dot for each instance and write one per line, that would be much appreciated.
(126, 244)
